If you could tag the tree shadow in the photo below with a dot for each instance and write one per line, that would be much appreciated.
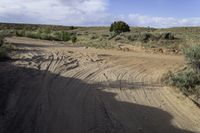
(35, 101)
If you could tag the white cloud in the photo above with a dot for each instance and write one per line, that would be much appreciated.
(143, 20)
(68, 12)
(79, 12)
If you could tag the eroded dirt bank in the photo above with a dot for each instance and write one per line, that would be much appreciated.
(52, 88)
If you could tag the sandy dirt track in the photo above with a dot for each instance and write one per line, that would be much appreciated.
(51, 88)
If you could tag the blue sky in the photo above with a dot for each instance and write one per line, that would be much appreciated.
(154, 13)
(162, 8)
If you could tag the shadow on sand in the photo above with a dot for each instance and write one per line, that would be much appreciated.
(33, 101)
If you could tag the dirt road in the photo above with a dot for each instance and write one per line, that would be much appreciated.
(51, 88)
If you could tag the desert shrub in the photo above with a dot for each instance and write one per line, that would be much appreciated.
(145, 37)
(86, 33)
(7, 33)
(59, 36)
(45, 36)
(21, 33)
(54, 36)
(187, 80)
(4, 49)
(148, 36)
(46, 30)
(93, 37)
(104, 35)
(119, 27)
(35, 35)
(101, 44)
(65, 36)
(192, 55)
(1, 41)
(72, 28)
(3, 53)
(28, 34)
(112, 35)
(131, 38)
(167, 36)
(118, 38)
(74, 39)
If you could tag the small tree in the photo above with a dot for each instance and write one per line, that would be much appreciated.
(119, 27)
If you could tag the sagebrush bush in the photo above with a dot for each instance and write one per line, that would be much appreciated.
(20, 33)
(192, 55)
(4, 49)
(1, 41)
(74, 39)
(3, 53)
(93, 37)
(188, 80)
(45, 34)
(167, 36)
(145, 37)
(133, 37)
(65, 36)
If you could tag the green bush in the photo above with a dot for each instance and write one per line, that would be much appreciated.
(30, 34)
(55, 36)
(3, 53)
(45, 34)
(72, 28)
(1, 41)
(4, 49)
(112, 35)
(74, 39)
(119, 27)
(118, 38)
(185, 79)
(192, 55)
(65, 36)
(61, 36)
(146, 37)
(167, 36)
(20, 33)
(132, 37)
(188, 80)
(93, 37)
